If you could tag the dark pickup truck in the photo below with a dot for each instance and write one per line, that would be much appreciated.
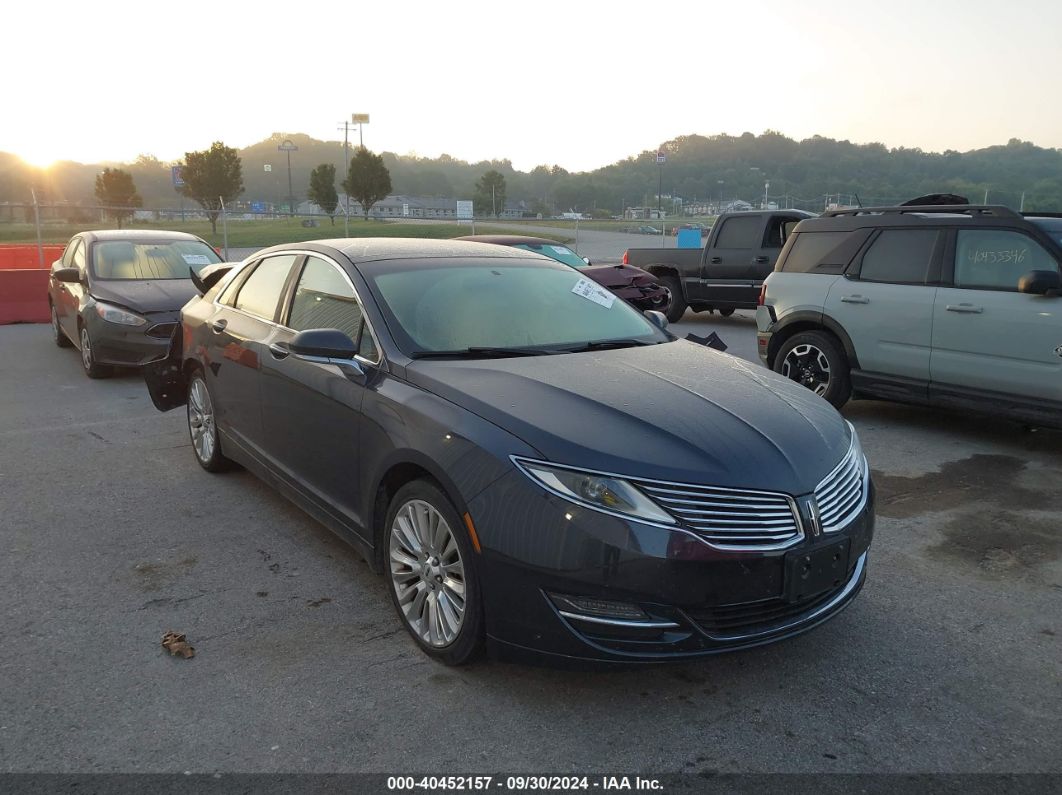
(727, 273)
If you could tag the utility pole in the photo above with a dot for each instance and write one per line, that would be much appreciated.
(346, 170)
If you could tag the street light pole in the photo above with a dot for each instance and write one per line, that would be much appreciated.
(288, 146)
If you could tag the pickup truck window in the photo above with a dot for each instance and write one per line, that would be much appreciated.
(899, 256)
(739, 232)
(810, 249)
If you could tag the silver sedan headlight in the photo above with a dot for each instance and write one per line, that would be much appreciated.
(595, 490)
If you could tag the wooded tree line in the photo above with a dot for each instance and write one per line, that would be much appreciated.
(698, 168)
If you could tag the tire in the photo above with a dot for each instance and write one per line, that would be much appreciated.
(92, 368)
(677, 308)
(727, 312)
(428, 568)
(816, 360)
(202, 426)
(58, 335)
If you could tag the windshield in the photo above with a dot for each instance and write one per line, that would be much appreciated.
(166, 259)
(554, 251)
(433, 307)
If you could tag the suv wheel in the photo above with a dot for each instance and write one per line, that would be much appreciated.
(815, 359)
(431, 566)
(677, 308)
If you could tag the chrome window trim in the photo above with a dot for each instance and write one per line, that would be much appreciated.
(620, 622)
(519, 461)
(299, 252)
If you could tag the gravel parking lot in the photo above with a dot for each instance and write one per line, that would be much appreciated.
(110, 535)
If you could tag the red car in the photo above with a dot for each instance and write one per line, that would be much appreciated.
(639, 288)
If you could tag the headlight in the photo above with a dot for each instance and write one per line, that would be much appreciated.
(113, 314)
(600, 492)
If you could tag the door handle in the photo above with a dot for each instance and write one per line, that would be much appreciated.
(969, 308)
(218, 326)
(855, 299)
(716, 260)
(279, 350)
(761, 260)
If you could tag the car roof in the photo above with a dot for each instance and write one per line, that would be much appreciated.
(371, 249)
(137, 234)
(511, 240)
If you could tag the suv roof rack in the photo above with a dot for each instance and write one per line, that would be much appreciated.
(996, 210)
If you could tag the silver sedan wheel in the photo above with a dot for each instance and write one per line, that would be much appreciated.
(86, 349)
(427, 573)
(201, 420)
(808, 366)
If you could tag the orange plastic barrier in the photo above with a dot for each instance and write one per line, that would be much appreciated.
(23, 256)
(24, 296)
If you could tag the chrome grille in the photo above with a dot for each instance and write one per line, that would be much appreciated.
(730, 518)
(842, 494)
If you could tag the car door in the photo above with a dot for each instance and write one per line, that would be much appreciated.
(987, 336)
(240, 328)
(727, 271)
(311, 410)
(885, 304)
(72, 294)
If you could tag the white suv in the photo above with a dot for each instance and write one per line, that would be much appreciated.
(943, 305)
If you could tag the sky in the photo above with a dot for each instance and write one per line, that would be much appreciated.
(579, 83)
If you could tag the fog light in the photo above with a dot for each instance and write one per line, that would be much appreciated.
(601, 608)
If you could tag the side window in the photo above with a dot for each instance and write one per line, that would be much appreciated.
(899, 256)
(77, 260)
(995, 259)
(810, 249)
(739, 232)
(260, 294)
(324, 299)
(228, 294)
(68, 252)
(777, 231)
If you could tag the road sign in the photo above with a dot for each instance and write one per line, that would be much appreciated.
(661, 158)
(267, 167)
(464, 209)
(287, 146)
(359, 118)
(177, 176)
(258, 207)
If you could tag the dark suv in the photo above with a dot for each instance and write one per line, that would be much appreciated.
(943, 305)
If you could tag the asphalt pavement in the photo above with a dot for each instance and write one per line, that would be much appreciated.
(111, 535)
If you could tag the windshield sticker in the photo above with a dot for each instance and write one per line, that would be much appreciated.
(592, 291)
(561, 250)
(196, 259)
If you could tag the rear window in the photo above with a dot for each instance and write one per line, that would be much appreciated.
(899, 256)
(739, 232)
(810, 249)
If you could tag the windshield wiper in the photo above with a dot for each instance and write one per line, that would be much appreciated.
(483, 352)
(601, 345)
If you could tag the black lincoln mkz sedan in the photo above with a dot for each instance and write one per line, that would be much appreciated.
(530, 461)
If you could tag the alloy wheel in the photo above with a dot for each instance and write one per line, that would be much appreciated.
(809, 367)
(427, 573)
(201, 421)
(86, 348)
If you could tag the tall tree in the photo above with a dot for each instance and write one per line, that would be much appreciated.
(117, 193)
(490, 193)
(323, 190)
(368, 179)
(211, 177)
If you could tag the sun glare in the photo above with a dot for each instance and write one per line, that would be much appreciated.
(42, 160)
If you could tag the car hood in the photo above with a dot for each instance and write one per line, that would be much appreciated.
(145, 295)
(675, 411)
(618, 275)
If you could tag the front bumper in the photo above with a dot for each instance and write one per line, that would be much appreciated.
(131, 346)
(696, 599)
